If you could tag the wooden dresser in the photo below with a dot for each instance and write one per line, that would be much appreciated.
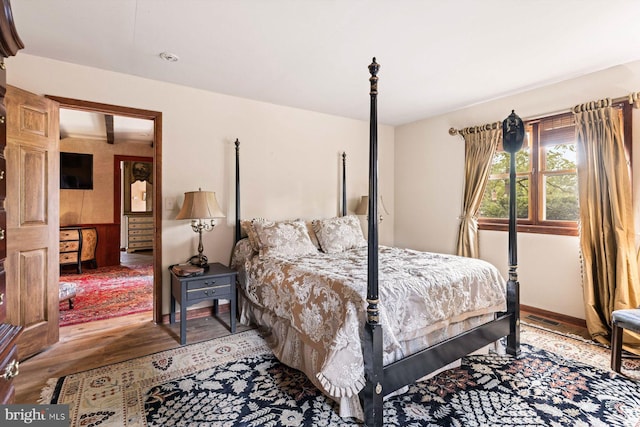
(10, 43)
(139, 232)
(78, 245)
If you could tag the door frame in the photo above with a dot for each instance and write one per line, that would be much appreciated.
(156, 116)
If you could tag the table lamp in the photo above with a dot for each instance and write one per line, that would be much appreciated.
(363, 207)
(201, 207)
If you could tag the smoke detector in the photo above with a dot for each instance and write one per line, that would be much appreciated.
(169, 57)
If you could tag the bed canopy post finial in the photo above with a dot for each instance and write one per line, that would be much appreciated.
(238, 230)
(371, 395)
(374, 67)
(512, 140)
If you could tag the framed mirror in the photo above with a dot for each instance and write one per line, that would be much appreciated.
(137, 186)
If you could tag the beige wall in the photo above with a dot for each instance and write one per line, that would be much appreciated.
(290, 165)
(290, 157)
(429, 168)
(95, 206)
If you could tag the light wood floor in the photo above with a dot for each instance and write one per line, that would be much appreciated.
(136, 258)
(95, 344)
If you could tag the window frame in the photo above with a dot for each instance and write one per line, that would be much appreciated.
(533, 224)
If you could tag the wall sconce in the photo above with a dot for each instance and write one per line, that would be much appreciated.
(201, 207)
(363, 207)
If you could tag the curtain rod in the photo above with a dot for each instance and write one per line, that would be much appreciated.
(473, 129)
(453, 131)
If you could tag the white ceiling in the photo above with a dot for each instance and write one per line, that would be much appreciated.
(90, 125)
(436, 55)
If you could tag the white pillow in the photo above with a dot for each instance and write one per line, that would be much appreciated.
(283, 238)
(339, 234)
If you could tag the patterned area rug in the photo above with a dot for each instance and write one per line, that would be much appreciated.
(108, 292)
(236, 381)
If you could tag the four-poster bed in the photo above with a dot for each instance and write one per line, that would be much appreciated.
(325, 313)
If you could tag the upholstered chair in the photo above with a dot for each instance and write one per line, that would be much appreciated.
(620, 320)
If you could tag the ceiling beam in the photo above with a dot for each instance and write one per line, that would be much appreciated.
(108, 121)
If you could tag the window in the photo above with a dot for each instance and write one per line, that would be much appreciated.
(546, 178)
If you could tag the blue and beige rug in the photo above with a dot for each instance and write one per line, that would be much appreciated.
(236, 381)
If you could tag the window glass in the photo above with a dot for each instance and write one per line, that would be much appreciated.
(495, 204)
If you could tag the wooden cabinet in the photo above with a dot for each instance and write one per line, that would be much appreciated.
(78, 245)
(139, 233)
(10, 43)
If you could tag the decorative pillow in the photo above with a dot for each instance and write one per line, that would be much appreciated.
(242, 252)
(283, 238)
(312, 234)
(339, 234)
(247, 228)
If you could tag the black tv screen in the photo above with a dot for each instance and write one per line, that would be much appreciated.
(76, 171)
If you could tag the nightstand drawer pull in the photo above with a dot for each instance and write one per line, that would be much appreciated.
(1, 234)
(1, 298)
(12, 370)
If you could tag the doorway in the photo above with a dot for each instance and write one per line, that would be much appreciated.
(111, 111)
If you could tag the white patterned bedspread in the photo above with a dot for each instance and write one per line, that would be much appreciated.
(323, 297)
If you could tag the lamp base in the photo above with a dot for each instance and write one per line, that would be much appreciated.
(199, 261)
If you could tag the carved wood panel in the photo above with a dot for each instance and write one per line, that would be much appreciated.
(33, 182)
(33, 283)
(33, 175)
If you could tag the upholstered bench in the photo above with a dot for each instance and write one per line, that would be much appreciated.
(620, 320)
(67, 292)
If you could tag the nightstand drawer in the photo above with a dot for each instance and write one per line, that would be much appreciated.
(68, 257)
(222, 291)
(143, 244)
(69, 246)
(208, 282)
(141, 219)
(140, 226)
(69, 235)
(140, 238)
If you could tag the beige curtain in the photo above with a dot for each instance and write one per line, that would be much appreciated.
(607, 241)
(480, 145)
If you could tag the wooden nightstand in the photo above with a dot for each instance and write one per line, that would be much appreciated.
(218, 282)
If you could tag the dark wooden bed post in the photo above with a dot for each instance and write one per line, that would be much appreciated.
(238, 230)
(344, 184)
(512, 139)
(371, 395)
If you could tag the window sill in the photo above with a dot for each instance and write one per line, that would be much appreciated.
(530, 228)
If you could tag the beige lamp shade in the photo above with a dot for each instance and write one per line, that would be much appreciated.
(200, 205)
(363, 206)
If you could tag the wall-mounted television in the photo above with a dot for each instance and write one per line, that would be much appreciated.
(76, 171)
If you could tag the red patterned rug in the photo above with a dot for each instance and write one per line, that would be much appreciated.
(108, 292)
